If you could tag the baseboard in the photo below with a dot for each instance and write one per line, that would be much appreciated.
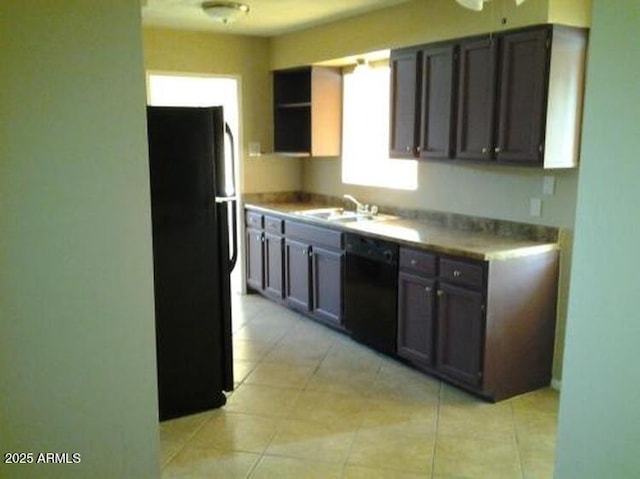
(556, 384)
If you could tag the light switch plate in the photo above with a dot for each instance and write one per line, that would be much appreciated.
(535, 206)
(548, 185)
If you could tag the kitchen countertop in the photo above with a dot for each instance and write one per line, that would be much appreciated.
(419, 234)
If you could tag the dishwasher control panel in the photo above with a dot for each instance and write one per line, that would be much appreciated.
(371, 248)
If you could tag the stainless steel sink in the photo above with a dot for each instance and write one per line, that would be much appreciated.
(330, 214)
(339, 215)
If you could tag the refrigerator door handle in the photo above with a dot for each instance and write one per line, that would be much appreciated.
(234, 234)
(232, 149)
(233, 202)
(226, 199)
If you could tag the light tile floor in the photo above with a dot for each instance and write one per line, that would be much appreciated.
(311, 403)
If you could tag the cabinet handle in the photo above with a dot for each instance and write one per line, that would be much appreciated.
(418, 149)
(427, 289)
(457, 273)
(262, 238)
(439, 293)
(484, 150)
(497, 149)
(408, 148)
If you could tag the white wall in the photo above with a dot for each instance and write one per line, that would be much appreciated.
(599, 427)
(77, 349)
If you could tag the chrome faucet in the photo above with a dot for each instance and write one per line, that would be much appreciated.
(360, 208)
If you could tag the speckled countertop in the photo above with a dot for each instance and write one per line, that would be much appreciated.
(419, 234)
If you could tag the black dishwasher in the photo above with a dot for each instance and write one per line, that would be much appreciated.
(371, 291)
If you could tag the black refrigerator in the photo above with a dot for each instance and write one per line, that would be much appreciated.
(193, 213)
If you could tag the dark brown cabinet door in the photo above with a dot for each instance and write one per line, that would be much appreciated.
(297, 274)
(416, 319)
(476, 98)
(326, 272)
(460, 334)
(437, 100)
(522, 96)
(255, 259)
(405, 102)
(273, 265)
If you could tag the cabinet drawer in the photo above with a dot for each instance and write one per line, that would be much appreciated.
(273, 225)
(418, 261)
(254, 220)
(462, 272)
(314, 234)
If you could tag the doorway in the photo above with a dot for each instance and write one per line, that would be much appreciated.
(199, 90)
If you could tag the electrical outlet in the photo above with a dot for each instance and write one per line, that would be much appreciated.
(535, 207)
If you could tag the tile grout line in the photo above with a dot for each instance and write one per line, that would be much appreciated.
(253, 468)
(185, 443)
(517, 439)
(279, 419)
(437, 426)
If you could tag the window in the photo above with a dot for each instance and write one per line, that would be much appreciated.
(365, 133)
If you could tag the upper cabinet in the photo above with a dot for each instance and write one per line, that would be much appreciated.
(405, 102)
(522, 96)
(509, 98)
(476, 90)
(422, 100)
(503, 93)
(307, 111)
(437, 77)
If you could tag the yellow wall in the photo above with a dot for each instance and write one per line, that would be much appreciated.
(571, 12)
(411, 23)
(248, 59)
(416, 22)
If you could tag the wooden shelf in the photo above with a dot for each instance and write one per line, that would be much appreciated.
(307, 111)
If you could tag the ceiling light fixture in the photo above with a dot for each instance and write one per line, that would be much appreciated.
(225, 12)
(477, 4)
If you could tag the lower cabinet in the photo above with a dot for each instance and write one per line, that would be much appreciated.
(486, 326)
(460, 333)
(416, 309)
(297, 273)
(314, 268)
(299, 264)
(327, 267)
(273, 268)
(255, 258)
(264, 243)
